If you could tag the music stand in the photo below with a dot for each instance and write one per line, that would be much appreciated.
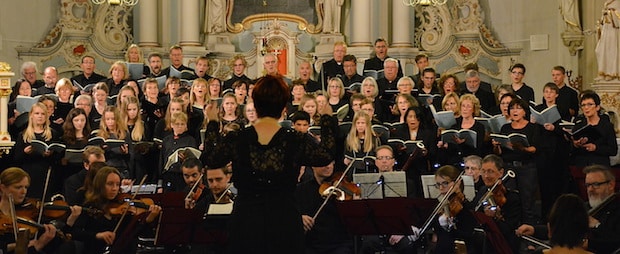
(382, 185)
(178, 225)
(390, 216)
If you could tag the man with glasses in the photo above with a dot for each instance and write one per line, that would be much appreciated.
(507, 216)
(350, 71)
(29, 72)
(604, 217)
(237, 66)
(517, 73)
(604, 210)
(88, 75)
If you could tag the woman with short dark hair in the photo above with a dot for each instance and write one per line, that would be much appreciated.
(266, 159)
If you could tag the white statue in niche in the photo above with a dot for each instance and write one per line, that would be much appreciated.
(570, 14)
(608, 46)
(215, 16)
(331, 15)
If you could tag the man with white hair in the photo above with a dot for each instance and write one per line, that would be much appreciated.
(472, 86)
(270, 64)
(29, 72)
(390, 78)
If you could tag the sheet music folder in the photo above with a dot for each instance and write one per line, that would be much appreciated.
(391, 216)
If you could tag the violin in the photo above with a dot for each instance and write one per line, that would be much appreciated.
(496, 195)
(24, 218)
(455, 204)
(196, 191)
(60, 209)
(124, 202)
(226, 197)
(344, 190)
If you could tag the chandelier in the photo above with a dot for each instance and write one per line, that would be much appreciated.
(413, 3)
(117, 2)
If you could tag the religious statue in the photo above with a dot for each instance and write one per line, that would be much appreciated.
(215, 16)
(570, 13)
(608, 46)
(331, 15)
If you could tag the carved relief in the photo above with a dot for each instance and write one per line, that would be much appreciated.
(467, 15)
(75, 15)
(112, 29)
(434, 29)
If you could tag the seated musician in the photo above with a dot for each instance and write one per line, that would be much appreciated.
(506, 216)
(112, 229)
(398, 243)
(15, 183)
(90, 155)
(217, 183)
(326, 233)
(458, 223)
(193, 171)
(604, 212)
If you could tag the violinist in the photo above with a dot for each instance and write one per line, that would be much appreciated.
(99, 232)
(326, 233)
(90, 155)
(507, 216)
(456, 221)
(604, 220)
(192, 172)
(15, 182)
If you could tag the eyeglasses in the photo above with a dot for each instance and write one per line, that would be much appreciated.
(596, 185)
(587, 105)
(384, 158)
(442, 184)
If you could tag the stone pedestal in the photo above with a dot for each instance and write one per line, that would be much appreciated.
(609, 91)
(325, 48)
(219, 43)
(5, 90)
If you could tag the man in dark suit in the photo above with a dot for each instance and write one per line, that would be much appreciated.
(483, 85)
(350, 71)
(88, 75)
(176, 60)
(155, 65)
(472, 86)
(90, 155)
(238, 66)
(376, 63)
(333, 68)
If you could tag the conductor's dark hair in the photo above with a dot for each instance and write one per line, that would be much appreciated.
(270, 96)
(568, 221)
(191, 163)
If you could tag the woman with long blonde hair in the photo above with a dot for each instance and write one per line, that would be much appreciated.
(361, 140)
(35, 162)
(114, 127)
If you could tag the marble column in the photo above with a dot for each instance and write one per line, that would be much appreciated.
(190, 23)
(400, 25)
(148, 24)
(360, 32)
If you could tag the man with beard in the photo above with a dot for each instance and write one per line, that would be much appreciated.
(604, 218)
(155, 65)
(604, 210)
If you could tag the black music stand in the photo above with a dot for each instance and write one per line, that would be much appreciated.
(389, 216)
(178, 225)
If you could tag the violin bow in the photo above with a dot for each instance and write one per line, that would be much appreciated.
(442, 203)
(332, 190)
(224, 193)
(47, 182)
(194, 187)
(118, 224)
(13, 215)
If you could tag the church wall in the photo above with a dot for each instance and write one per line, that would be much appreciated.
(515, 21)
(24, 23)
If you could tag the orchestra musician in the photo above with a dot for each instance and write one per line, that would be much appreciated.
(604, 213)
(604, 218)
(97, 232)
(506, 216)
(15, 183)
(326, 233)
(456, 222)
(266, 159)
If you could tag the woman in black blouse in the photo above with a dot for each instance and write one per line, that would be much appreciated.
(521, 157)
(595, 149)
(266, 159)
